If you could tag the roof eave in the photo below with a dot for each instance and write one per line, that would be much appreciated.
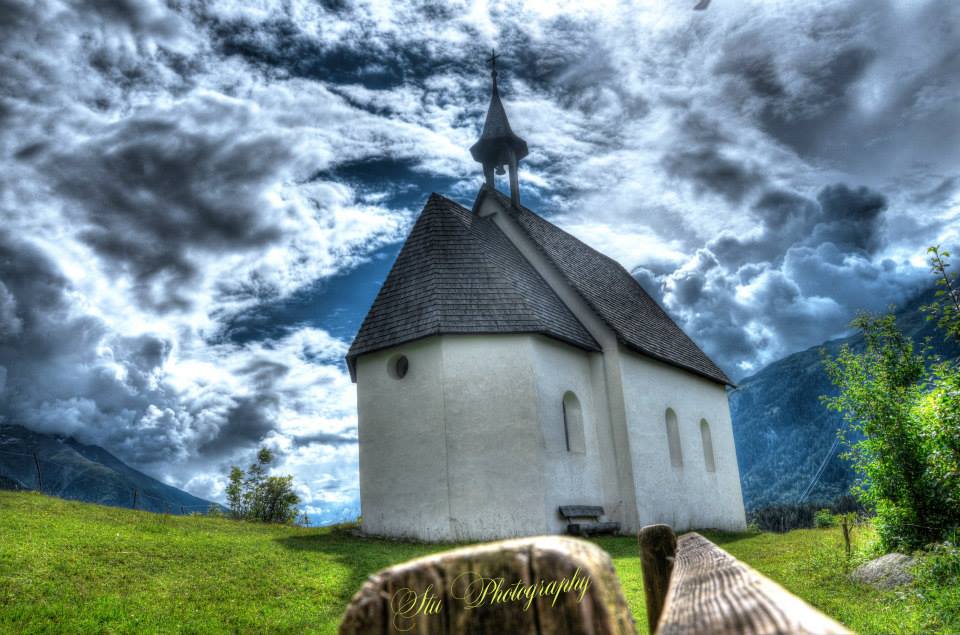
(722, 380)
(352, 357)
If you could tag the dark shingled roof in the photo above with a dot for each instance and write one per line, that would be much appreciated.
(458, 273)
(639, 322)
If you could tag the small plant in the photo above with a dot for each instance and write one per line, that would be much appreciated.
(824, 518)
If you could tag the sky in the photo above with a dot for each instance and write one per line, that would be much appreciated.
(200, 200)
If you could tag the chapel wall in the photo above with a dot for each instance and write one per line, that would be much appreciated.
(573, 477)
(495, 444)
(403, 449)
(688, 496)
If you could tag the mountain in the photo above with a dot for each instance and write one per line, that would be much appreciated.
(783, 432)
(89, 473)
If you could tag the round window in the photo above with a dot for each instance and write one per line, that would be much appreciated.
(398, 366)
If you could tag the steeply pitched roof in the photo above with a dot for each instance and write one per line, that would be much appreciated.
(458, 273)
(639, 322)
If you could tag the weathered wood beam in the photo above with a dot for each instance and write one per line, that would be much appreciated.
(711, 592)
(658, 546)
(392, 600)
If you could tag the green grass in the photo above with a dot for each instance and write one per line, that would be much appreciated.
(75, 567)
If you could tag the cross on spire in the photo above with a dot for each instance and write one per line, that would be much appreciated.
(492, 60)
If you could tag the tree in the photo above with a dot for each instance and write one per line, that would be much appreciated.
(235, 498)
(256, 496)
(877, 390)
(903, 410)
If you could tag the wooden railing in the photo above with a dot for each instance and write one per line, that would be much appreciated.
(695, 587)
(691, 586)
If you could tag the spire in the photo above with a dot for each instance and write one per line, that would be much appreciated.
(498, 146)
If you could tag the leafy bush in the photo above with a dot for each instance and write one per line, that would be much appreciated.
(256, 496)
(903, 410)
(824, 518)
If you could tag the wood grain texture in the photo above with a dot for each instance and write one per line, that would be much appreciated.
(658, 547)
(377, 608)
(711, 592)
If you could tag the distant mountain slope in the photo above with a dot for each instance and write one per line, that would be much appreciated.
(782, 430)
(89, 473)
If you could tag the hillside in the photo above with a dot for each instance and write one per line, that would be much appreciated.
(782, 430)
(80, 568)
(74, 470)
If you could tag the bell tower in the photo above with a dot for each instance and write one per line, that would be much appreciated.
(498, 145)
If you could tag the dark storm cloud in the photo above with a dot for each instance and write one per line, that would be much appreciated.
(703, 155)
(859, 83)
(71, 374)
(849, 218)
(140, 16)
(710, 171)
(248, 423)
(279, 45)
(50, 355)
(250, 418)
(14, 14)
(806, 268)
(326, 438)
(153, 190)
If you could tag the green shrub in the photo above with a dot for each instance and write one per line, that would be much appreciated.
(256, 496)
(824, 518)
(903, 414)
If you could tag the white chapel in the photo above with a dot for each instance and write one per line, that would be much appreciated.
(506, 369)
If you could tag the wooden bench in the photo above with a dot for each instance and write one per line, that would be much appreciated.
(692, 586)
(592, 515)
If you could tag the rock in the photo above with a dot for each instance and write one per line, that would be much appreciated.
(886, 572)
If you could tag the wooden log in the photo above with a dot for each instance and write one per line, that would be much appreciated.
(658, 545)
(527, 586)
(711, 592)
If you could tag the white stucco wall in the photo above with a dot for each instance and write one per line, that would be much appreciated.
(403, 485)
(470, 444)
(494, 439)
(454, 450)
(573, 478)
(686, 497)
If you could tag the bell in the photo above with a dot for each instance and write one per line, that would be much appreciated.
(500, 171)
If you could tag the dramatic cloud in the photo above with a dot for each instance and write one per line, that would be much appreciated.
(199, 200)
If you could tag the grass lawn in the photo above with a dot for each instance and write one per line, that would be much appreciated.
(80, 568)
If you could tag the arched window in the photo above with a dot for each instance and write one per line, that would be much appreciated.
(673, 438)
(573, 423)
(708, 459)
